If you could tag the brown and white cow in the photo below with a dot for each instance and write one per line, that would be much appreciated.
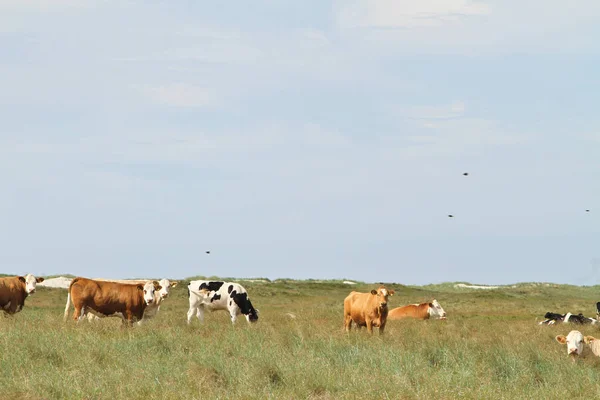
(110, 299)
(367, 309)
(427, 310)
(14, 290)
(151, 309)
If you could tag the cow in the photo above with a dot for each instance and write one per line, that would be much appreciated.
(579, 319)
(14, 290)
(104, 299)
(426, 310)
(575, 343)
(151, 309)
(593, 343)
(216, 295)
(553, 318)
(367, 309)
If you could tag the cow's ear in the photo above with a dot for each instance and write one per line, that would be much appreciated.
(561, 339)
(156, 285)
(38, 280)
(588, 339)
(173, 284)
(140, 286)
(373, 291)
(391, 292)
(22, 279)
(431, 305)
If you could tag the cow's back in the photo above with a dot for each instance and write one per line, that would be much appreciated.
(409, 311)
(12, 294)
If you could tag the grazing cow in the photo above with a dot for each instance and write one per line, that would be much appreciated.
(575, 343)
(104, 299)
(14, 290)
(151, 309)
(213, 296)
(419, 311)
(367, 309)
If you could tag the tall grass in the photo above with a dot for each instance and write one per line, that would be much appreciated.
(490, 347)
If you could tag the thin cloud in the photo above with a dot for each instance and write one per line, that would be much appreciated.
(179, 95)
(406, 13)
(454, 110)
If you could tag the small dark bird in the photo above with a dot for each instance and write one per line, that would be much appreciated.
(450, 216)
(587, 210)
(465, 173)
(207, 252)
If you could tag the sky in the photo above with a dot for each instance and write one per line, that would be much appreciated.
(314, 139)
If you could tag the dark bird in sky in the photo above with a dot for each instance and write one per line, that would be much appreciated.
(450, 216)
(587, 210)
(465, 173)
(207, 252)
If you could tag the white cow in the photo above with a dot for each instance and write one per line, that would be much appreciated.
(574, 341)
(151, 309)
(214, 295)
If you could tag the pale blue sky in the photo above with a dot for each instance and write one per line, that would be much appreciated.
(310, 139)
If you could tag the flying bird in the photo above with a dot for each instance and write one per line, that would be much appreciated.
(465, 173)
(207, 252)
(587, 210)
(450, 216)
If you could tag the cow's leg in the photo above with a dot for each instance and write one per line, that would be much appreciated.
(79, 312)
(381, 328)
(347, 323)
(128, 318)
(200, 314)
(369, 326)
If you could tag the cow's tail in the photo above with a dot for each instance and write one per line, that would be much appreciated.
(67, 306)
(66, 315)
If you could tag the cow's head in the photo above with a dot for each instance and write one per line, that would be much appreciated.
(436, 310)
(382, 295)
(149, 289)
(574, 341)
(165, 289)
(243, 302)
(30, 282)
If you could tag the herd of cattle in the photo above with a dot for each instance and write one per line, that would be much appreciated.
(137, 301)
(140, 300)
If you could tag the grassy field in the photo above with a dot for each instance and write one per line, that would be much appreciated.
(489, 348)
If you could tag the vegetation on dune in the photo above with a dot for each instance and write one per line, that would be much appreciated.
(490, 347)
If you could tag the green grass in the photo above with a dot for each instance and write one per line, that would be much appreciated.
(490, 347)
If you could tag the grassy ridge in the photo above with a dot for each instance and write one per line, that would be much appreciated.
(490, 347)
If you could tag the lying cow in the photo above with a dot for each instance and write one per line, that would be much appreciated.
(575, 343)
(105, 299)
(14, 290)
(367, 309)
(213, 296)
(427, 310)
(151, 309)
(553, 318)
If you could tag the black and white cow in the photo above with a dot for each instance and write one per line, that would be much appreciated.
(216, 295)
(553, 318)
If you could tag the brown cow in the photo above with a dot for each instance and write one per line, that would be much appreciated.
(427, 310)
(110, 299)
(367, 309)
(14, 290)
